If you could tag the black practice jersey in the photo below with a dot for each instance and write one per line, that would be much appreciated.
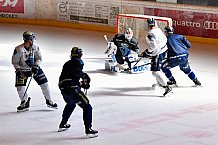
(119, 40)
(71, 73)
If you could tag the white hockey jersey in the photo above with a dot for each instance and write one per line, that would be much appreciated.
(156, 41)
(21, 55)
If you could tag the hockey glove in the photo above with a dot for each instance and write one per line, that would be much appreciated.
(86, 78)
(35, 69)
(140, 54)
(20, 73)
(85, 83)
(145, 54)
(109, 46)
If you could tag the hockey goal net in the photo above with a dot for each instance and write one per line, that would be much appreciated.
(139, 25)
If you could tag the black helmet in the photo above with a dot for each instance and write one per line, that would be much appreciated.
(76, 52)
(168, 30)
(151, 22)
(27, 35)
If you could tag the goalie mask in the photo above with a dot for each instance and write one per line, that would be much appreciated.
(168, 30)
(28, 35)
(128, 34)
(76, 52)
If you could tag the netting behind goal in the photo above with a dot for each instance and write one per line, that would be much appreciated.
(139, 25)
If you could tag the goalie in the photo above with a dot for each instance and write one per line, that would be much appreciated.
(126, 49)
(70, 87)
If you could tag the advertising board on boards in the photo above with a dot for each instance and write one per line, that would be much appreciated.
(192, 23)
(10, 8)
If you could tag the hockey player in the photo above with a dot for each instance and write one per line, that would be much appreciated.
(70, 87)
(177, 55)
(26, 60)
(156, 41)
(126, 44)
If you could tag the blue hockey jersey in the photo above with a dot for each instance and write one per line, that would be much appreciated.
(177, 45)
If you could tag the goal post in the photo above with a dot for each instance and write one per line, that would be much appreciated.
(139, 25)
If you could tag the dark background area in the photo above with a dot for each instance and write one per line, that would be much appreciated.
(199, 2)
(194, 2)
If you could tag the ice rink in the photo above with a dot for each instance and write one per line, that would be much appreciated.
(126, 111)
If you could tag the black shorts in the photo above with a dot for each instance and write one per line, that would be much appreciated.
(75, 95)
(156, 61)
(40, 78)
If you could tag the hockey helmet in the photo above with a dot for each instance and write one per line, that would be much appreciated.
(28, 35)
(129, 34)
(168, 30)
(151, 22)
(76, 52)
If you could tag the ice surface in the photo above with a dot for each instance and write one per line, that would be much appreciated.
(126, 111)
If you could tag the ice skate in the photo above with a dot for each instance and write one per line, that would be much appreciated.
(168, 90)
(24, 106)
(172, 83)
(127, 70)
(52, 105)
(90, 133)
(63, 127)
(197, 82)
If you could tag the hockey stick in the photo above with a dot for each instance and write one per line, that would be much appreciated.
(108, 49)
(105, 37)
(85, 91)
(137, 62)
(27, 87)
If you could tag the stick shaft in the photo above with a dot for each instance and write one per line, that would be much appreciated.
(27, 87)
(105, 37)
(137, 62)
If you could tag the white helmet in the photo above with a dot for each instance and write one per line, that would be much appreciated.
(129, 34)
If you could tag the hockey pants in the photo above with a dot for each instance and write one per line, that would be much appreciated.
(183, 64)
(73, 96)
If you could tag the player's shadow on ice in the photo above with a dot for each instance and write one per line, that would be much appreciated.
(125, 92)
(14, 113)
(191, 86)
(70, 138)
(5, 114)
(42, 110)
